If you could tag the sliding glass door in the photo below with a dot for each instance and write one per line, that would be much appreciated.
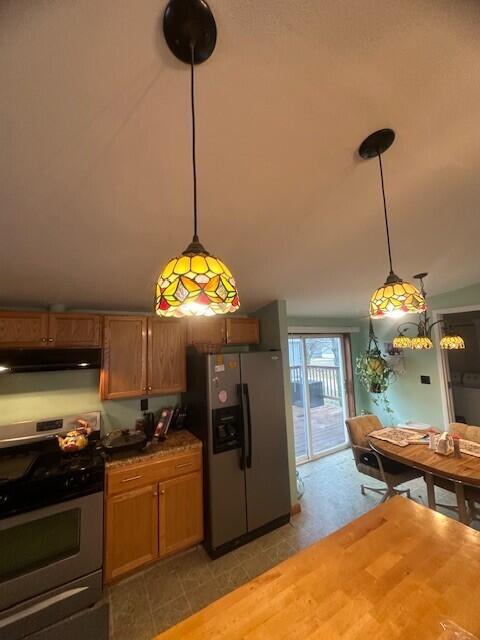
(320, 383)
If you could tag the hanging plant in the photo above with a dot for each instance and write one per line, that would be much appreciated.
(375, 373)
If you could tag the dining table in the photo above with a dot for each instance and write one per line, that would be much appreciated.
(461, 471)
(399, 571)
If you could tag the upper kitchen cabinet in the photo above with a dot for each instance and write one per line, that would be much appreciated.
(74, 330)
(218, 331)
(242, 331)
(143, 356)
(29, 329)
(206, 331)
(124, 370)
(23, 329)
(166, 356)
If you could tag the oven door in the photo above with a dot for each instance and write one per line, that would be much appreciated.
(46, 548)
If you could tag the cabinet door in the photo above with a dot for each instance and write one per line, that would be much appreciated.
(181, 513)
(74, 330)
(166, 356)
(25, 329)
(124, 371)
(242, 331)
(131, 531)
(206, 331)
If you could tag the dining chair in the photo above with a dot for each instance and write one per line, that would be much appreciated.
(472, 494)
(372, 464)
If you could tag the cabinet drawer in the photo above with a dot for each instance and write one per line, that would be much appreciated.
(178, 465)
(129, 477)
(133, 476)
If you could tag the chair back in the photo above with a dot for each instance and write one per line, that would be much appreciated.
(360, 426)
(465, 431)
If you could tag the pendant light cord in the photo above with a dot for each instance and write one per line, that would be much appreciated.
(385, 212)
(194, 160)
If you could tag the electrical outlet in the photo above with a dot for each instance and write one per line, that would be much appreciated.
(425, 379)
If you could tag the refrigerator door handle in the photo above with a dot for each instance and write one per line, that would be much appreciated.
(243, 450)
(249, 427)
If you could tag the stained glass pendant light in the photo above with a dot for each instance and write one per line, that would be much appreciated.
(396, 296)
(194, 283)
(424, 328)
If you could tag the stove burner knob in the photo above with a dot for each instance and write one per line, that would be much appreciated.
(70, 482)
(4, 500)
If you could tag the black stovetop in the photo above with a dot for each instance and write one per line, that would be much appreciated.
(34, 476)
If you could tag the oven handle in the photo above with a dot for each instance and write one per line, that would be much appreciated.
(40, 606)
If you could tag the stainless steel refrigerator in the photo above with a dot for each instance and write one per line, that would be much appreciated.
(236, 405)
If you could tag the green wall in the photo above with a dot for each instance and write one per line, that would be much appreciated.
(29, 396)
(409, 399)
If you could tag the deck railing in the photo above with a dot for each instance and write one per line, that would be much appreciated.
(327, 375)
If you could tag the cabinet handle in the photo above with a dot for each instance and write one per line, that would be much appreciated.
(155, 494)
(182, 466)
(132, 478)
(50, 339)
(162, 492)
(44, 339)
(149, 388)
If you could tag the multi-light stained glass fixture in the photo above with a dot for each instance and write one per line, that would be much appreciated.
(423, 340)
(194, 283)
(396, 296)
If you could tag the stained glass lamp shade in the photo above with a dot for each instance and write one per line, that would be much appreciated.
(196, 284)
(394, 299)
(421, 342)
(452, 342)
(402, 341)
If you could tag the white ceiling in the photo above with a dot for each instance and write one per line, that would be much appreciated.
(95, 178)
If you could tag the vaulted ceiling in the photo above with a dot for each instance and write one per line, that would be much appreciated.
(95, 176)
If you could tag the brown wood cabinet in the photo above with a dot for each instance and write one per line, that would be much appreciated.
(242, 331)
(153, 509)
(218, 331)
(142, 356)
(124, 369)
(23, 329)
(166, 356)
(131, 534)
(181, 513)
(206, 331)
(74, 330)
(29, 329)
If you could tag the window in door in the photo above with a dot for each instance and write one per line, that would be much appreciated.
(321, 382)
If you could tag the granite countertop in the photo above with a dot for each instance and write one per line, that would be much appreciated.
(176, 442)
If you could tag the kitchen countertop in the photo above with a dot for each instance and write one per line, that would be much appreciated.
(399, 571)
(176, 442)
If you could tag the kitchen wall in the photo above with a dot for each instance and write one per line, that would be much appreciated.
(27, 396)
(409, 399)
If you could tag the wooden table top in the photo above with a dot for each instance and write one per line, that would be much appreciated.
(396, 572)
(464, 468)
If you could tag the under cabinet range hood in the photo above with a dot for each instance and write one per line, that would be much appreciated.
(30, 360)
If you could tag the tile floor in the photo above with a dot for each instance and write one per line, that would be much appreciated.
(159, 597)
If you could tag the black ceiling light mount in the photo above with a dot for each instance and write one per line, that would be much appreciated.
(187, 25)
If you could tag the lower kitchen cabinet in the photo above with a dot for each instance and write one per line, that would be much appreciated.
(181, 513)
(153, 509)
(131, 533)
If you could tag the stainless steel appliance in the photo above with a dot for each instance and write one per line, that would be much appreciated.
(236, 406)
(51, 531)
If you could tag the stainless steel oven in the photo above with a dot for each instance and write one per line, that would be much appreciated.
(51, 537)
(50, 547)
